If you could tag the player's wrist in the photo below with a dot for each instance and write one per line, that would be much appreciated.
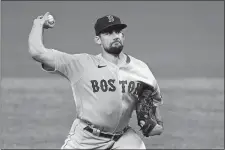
(157, 130)
(159, 122)
(38, 25)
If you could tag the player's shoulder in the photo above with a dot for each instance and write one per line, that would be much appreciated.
(81, 56)
(88, 58)
(137, 62)
(85, 55)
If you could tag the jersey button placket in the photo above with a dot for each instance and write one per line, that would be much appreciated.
(120, 96)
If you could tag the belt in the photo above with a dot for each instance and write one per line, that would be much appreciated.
(91, 125)
(99, 133)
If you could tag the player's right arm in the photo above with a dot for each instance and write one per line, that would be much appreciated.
(37, 49)
(54, 61)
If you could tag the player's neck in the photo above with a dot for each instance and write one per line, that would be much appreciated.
(115, 59)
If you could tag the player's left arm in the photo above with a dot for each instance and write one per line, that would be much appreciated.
(149, 100)
(157, 101)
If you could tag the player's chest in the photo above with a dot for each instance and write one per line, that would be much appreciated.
(111, 79)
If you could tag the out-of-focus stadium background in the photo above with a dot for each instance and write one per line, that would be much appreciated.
(182, 41)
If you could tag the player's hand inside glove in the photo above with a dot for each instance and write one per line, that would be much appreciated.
(145, 111)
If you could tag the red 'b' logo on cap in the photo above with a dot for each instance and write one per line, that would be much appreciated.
(110, 18)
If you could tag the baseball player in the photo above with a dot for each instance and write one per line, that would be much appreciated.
(105, 87)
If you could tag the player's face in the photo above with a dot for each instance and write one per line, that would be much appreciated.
(112, 41)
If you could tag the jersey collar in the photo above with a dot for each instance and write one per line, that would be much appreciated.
(103, 61)
(127, 59)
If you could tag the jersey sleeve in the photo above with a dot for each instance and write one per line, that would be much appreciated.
(151, 80)
(67, 65)
(158, 100)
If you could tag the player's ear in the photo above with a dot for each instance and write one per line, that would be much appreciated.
(123, 35)
(97, 40)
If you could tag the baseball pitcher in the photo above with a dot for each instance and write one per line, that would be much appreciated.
(107, 88)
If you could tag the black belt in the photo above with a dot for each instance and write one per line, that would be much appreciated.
(97, 132)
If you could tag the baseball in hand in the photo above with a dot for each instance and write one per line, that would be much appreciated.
(51, 19)
(50, 22)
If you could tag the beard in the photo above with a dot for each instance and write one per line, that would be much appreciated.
(114, 49)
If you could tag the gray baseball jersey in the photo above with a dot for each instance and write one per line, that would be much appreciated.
(105, 94)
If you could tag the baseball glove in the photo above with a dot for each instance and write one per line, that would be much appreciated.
(145, 110)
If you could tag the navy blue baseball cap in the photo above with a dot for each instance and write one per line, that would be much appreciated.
(108, 22)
